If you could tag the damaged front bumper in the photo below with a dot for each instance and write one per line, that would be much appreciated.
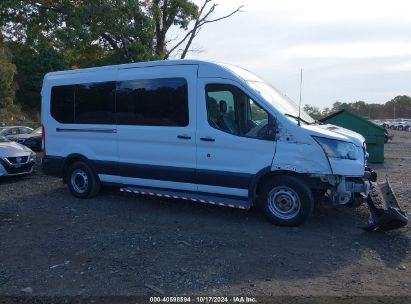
(350, 191)
(385, 212)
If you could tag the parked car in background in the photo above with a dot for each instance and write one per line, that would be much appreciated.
(382, 123)
(15, 159)
(31, 140)
(385, 124)
(403, 124)
(378, 122)
(8, 131)
(397, 124)
(391, 124)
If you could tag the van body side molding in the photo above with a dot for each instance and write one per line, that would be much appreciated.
(175, 174)
(86, 130)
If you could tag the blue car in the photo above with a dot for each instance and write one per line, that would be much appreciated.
(31, 140)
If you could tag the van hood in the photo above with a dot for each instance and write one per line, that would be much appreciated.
(335, 132)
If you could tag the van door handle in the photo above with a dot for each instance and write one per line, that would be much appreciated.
(208, 138)
(184, 136)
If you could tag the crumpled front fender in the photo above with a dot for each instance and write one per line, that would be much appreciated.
(301, 158)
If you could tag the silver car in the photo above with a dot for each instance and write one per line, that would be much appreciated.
(15, 159)
(14, 130)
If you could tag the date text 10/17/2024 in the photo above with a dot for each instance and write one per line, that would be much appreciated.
(203, 299)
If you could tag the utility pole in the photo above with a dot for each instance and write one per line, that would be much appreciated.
(394, 109)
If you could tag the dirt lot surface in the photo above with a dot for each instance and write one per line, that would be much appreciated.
(120, 244)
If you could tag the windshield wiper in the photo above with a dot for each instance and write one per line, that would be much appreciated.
(297, 118)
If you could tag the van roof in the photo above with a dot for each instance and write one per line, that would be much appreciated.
(135, 65)
(206, 67)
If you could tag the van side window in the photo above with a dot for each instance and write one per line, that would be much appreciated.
(89, 103)
(230, 110)
(62, 103)
(153, 102)
(95, 103)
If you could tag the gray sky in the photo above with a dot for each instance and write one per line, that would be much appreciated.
(349, 50)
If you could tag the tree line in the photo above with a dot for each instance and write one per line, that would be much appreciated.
(398, 107)
(39, 36)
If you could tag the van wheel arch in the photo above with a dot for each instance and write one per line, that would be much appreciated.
(265, 176)
(71, 159)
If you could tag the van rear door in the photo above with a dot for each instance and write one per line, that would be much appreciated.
(78, 115)
(156, 125)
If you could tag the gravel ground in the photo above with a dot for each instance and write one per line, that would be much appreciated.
(53, 244)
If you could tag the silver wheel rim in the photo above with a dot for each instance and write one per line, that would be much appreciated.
(79, 181)
(283, 202)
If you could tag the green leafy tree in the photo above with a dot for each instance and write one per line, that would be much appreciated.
(95, 32)
(87, 32)
(32, 65)
(49, 35)
(7, 73)
(166, 13)
(398, 107)
(314, 112)
(325, 112)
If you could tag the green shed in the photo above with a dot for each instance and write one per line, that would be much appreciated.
(373, 134)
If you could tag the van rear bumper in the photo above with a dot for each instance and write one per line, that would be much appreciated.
(53, 166)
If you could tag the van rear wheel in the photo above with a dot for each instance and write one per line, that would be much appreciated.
(286, 200)
(82, 181)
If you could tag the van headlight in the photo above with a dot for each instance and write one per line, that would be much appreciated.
(337, 148)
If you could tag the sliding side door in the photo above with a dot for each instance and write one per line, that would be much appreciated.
(156, 125)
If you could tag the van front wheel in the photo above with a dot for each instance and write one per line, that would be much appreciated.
(81, 180)
(286, 200)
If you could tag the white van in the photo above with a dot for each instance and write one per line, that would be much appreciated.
(211, 133)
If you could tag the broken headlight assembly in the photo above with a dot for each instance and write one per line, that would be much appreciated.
(337, 148)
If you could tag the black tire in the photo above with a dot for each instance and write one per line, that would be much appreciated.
(281, 191)
(82, 181)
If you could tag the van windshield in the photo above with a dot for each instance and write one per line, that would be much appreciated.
(281, 102)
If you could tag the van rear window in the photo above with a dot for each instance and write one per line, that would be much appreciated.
(62, 103)
(87, 103)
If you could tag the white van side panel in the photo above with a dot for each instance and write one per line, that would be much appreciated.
(160, 156)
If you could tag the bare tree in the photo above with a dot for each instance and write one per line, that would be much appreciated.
(203, 18)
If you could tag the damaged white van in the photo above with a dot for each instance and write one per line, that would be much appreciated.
(206, 132)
